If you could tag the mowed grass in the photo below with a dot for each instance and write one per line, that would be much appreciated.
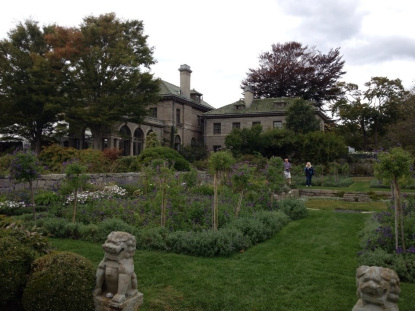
(360, 184)
(310, 265)
(340, 205)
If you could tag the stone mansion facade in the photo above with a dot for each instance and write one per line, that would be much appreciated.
(181, 117)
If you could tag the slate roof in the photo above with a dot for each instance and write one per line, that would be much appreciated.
(170, 90)
(265, 106)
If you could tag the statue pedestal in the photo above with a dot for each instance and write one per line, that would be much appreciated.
(103, 303)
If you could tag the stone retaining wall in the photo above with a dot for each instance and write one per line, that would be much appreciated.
(53, 181)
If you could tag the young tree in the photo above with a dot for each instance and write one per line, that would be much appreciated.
(26, 167)
(220, 161)
(241, 175)
(106, 65)
(294, 70)
(30, 100)
(301, 117)
(75, 180)
(274, 173)
(395, 167)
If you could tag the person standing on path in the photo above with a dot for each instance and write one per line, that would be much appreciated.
(287, 171)
(309, 172)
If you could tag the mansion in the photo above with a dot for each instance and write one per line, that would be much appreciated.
(182, 118)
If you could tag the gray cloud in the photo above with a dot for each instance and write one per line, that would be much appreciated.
(377, 49)
(325, 23)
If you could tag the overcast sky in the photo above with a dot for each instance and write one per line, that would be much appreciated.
(221, 39)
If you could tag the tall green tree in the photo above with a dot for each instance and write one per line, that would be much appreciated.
(301, 117)
(370, 111)
(402, 132)
(30, 78)
(107, 64)
(294, 70)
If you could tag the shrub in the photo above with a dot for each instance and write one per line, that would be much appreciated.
(113, 224)
(152, 238)
(5, 162)
(94, 160)
(164, 153)
(60, 281)
(89, 232)
(15, 261)
(194, 152)
(275, 220)
(46, 198)
(377, 241)
(209, 243)
(127, 164)
(402, 264)
(55, 156)
(252, 228)
(56, 227)
(294, 208)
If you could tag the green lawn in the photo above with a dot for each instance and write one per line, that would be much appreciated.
(309, 265)
(361, 184)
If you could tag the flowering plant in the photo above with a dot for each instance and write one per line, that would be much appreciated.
(108, 192)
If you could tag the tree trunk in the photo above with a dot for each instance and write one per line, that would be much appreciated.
(396, 202)
(398, 206)
(32, 199)
(97, 136)
(75, 205)
(163, 209)
(215, 202)
(238, 207)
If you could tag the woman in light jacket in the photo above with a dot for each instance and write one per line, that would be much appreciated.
(309, 172)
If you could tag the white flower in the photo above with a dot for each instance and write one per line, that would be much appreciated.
(107, 192)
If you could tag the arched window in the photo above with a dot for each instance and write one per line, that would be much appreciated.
(125, 142)
(177, 142)
(138, 141)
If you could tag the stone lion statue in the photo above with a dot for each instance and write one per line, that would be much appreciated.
(115, 276)
(377, 289)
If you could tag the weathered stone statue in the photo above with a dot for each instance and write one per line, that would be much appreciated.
(116, 282)
(377, 289)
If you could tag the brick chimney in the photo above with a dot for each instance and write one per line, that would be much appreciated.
(185, 79)
(249, 96)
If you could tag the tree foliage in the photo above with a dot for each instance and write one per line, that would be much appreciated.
(318, 147)
(26, 167)
(245, 141)
(301, 117)
(106, 67)
(369, 111)
(395, 167)
(75, 180)
(30, 99)
(402, 131)
(294, 70)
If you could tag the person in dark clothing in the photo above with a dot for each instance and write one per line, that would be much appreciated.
(309, 172)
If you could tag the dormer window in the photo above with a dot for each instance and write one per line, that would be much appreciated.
(280, 105)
